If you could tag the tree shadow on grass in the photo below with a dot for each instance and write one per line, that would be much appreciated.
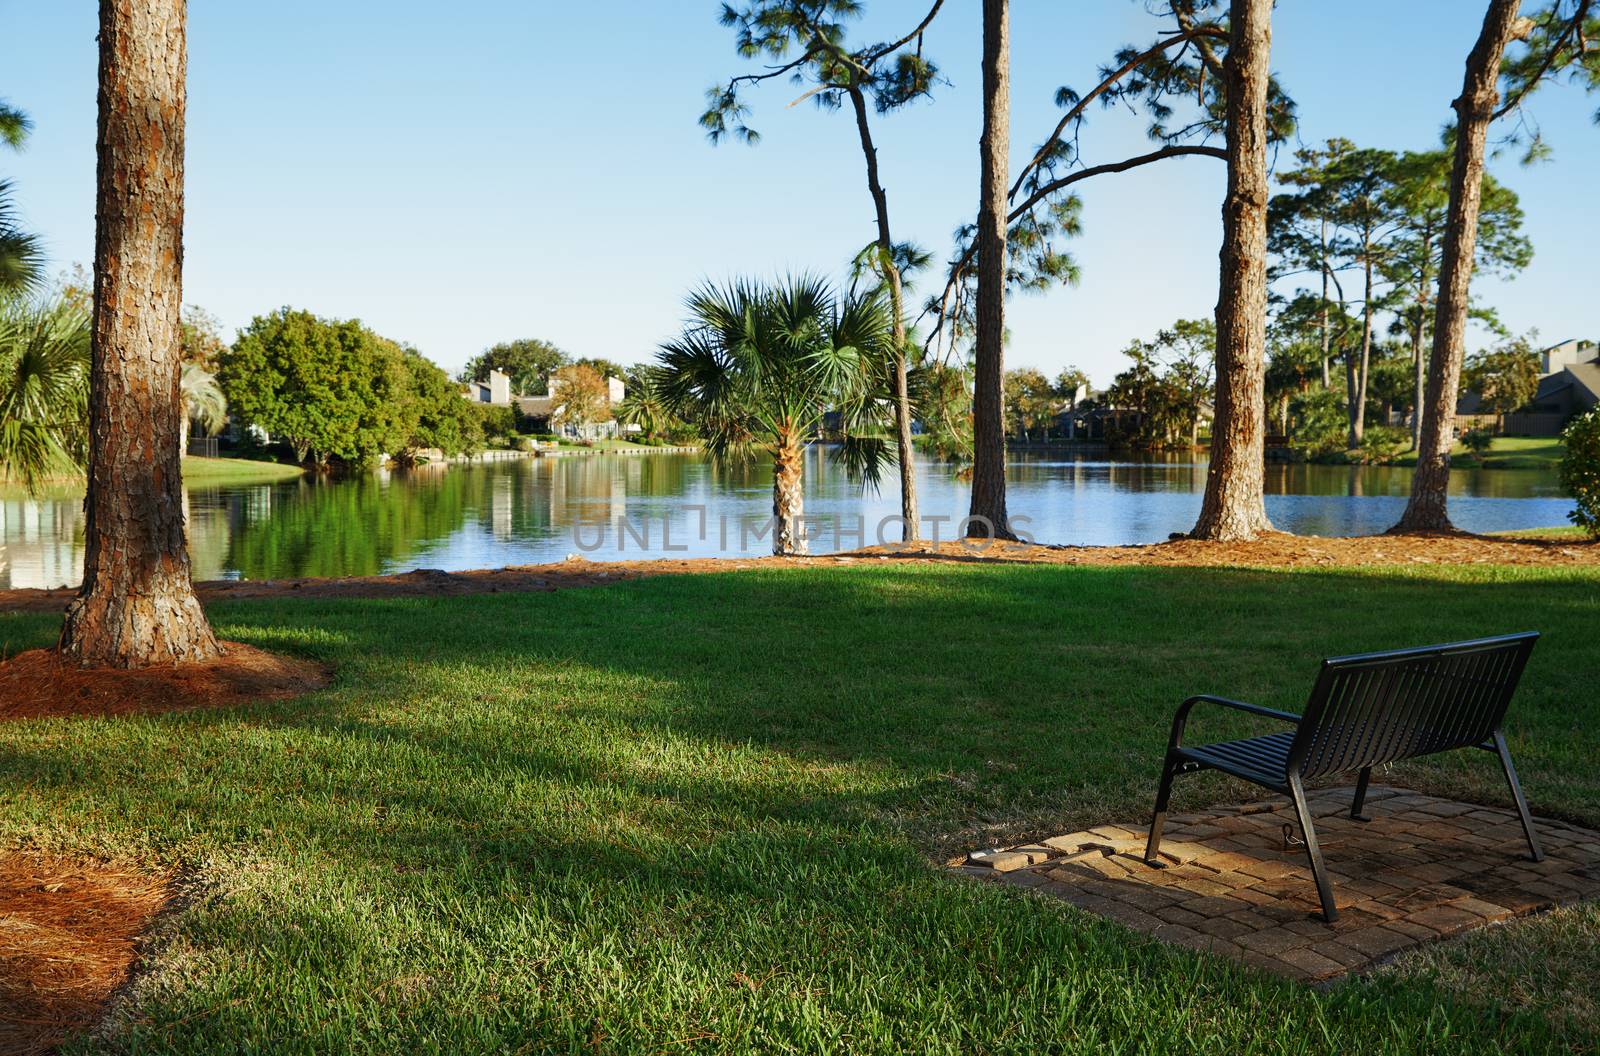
(652, 791)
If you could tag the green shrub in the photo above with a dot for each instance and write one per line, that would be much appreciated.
(1478, 441)
(1580, 470)
(1319, 423)
(1383, 443)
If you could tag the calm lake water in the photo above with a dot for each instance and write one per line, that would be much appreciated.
(675, 505)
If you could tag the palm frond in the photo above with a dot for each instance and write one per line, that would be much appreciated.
(203, 400)
(44, 389)
(22, 257)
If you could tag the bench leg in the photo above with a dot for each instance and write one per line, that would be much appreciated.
(1330, 911)
(1361, 795)
(1516, 794)
(1152, 848)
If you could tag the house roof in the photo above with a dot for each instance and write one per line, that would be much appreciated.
(535, 406)
(1587, 377)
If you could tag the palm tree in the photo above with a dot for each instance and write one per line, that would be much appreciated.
(44, 389)
(203, 402)
(21, 257)
(759, 368)
(645, 404)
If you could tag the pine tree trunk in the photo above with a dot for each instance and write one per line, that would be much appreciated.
(1417, 361)
(988, 506)
(1322, 236)
(1428, 508)
(1358, 428)
(1233, 507)
(788, 498)
(137, 606)
(902, 395)
(1352, 396)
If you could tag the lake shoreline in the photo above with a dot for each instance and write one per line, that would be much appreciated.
(1273, 550)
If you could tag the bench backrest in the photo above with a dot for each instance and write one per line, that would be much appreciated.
(1381, 707)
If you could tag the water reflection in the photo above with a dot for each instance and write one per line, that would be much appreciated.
(681, 505)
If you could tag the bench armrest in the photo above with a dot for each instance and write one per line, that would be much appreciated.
(1182, 716)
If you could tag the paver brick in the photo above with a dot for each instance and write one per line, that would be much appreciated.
(1423, 868)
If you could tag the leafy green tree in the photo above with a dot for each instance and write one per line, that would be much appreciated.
(942, 394)
(1354, 191)
(44, 389)
(1562, 44)
(332, 390)
(1030, 403)
(805, 41)
(435, 414)
(1580, 470)
(1070, 382)
(1168, 384)
(1505, 377)
(606, 368)
(1421, 194)
(528, 362)
(758, 367)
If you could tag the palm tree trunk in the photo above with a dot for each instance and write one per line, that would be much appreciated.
(987, 512)
(1428, 507)
(137, 606)
(788, 498)
(1233, 507)
(911, 531)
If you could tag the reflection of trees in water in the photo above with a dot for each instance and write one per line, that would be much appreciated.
(355, 526)
(43, 538)
(374, 523)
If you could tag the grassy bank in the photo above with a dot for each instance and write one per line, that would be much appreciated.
(701, 813)
(198, 472)
(218, 471)
(1506, 452)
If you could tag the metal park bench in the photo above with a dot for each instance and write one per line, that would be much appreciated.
(1365, 711)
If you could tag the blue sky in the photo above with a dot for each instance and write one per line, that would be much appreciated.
(461, 174)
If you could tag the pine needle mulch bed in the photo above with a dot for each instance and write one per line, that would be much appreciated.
(36, 684)
(1272, 550)
(69, 934)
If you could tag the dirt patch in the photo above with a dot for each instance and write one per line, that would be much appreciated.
(36, 684)
(1273, 550)
(69, 934)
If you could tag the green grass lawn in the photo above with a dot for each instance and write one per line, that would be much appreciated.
(1513, 452)
(702, 814)
(1565, 531)
(216, 471)
(198, 472)
(1507, 452)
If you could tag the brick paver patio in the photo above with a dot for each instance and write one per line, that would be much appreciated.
(1423, 868)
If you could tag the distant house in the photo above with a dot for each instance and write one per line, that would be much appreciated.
(496, 389)
(540, 409)
(1569, 385)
